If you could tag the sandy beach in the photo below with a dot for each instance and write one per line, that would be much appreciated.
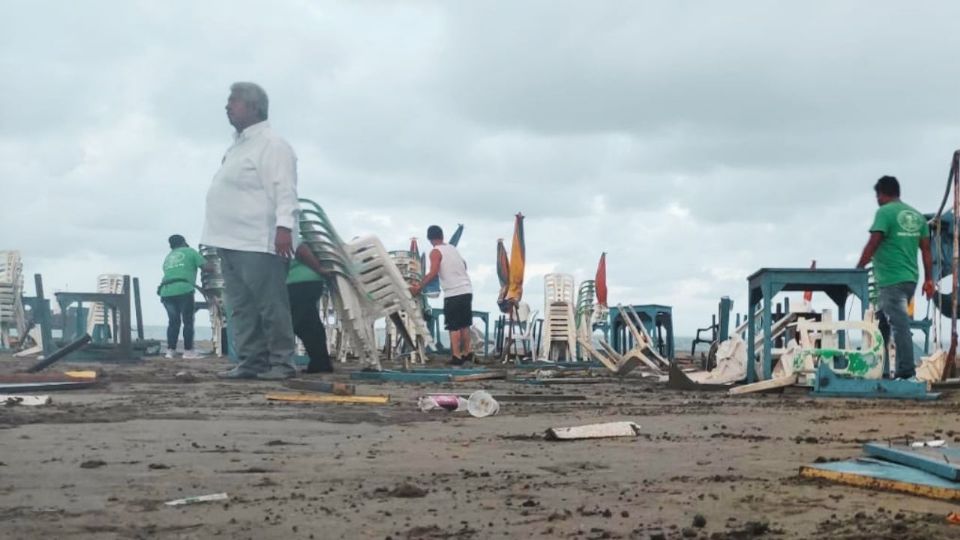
(100, 463)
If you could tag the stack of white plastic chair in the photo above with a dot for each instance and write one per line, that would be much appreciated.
(109, 284)
(11, 300)
(212, 287)
(559, 325)
(385, 287)
(367, 286)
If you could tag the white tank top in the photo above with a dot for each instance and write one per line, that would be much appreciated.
(453, 272)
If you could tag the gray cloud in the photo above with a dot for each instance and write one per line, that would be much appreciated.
(694, 142)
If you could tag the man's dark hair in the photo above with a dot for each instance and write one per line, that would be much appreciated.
(434, 232)
(177, 241)
(887, 185)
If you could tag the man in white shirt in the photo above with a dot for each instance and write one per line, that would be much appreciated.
(447, 264)
(251, 218)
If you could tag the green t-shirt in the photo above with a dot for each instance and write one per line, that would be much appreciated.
(181, 263)
(300, 273)
(896, 259)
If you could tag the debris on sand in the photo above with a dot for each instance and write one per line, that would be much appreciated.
(404, 491)
(92, 464)
(594, 431)
(198, 499)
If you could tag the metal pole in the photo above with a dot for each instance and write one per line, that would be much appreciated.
(137, 309)
(950, 367)
(43, 318)
(69, 348)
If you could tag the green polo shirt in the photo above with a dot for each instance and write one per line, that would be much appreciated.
(896, 259)
(181, 264)
(301, 273)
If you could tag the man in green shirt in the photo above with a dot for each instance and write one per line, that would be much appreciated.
(176, 292)
(897, 231)
(305, 285)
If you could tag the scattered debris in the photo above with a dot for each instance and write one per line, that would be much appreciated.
(482, 404)
(157, 466)
(198, 499)
(699, 521)
(12, 401)
(407, 491)
(306, 398)
(594, 431)
(446, 402)
(338, 389)
(929, 444)
(93, 464)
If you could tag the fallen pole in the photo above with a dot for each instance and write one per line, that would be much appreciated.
(304, 398)
(71, 347)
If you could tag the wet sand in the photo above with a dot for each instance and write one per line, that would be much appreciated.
(99, 463)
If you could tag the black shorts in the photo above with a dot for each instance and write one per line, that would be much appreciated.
(458, 312)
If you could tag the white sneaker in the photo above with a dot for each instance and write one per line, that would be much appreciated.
(191, 355)
(170, 353)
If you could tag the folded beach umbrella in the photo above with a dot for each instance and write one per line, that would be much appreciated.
(518, 260)
(455, 238)
(503, 274)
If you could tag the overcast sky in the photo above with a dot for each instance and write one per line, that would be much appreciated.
(695, 142)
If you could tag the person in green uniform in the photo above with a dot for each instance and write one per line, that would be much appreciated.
(305, 286)
(176, 292)
(897, 231)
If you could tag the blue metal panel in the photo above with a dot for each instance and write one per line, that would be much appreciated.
(830, 384)
(916, 459)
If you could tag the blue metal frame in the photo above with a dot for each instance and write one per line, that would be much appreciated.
(764, 284)
(650, 315)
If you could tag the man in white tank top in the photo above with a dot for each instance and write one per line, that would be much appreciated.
(447, 264)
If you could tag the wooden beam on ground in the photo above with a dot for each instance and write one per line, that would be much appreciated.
(307, 398)
(480, 376)
(884, 476)
(769, 384)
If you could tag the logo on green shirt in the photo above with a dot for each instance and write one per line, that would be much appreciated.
(910, 221)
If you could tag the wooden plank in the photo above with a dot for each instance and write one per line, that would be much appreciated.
(769, 384)
(307, 398)
(918, 459)
(884, 476)
(594, 431)
(87, 374)
(340, 389)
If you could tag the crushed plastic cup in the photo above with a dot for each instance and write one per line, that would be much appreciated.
(482, 404)
(447, 402)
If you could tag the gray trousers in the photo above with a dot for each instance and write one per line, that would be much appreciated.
(892, 301)
(256, 296)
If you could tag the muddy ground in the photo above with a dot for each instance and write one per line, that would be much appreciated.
(100, 463)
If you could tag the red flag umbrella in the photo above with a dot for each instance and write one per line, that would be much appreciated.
(600, 281)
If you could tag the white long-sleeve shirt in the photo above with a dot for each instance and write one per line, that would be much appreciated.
(253, 193)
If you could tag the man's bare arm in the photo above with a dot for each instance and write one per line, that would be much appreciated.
(868, 250)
